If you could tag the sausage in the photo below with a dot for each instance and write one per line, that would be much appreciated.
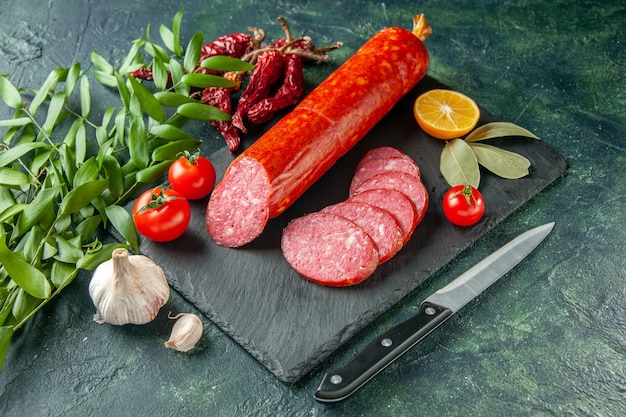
(329, 249)
(396, 203)
(378, 223)
(295, 152)
(407, 184)
(384, 152)
(371, 167)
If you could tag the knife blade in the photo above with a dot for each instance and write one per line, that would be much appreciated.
(434, 310)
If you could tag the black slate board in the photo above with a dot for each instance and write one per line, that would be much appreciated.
(290, 324)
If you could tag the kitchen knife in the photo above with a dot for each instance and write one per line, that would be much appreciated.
(436, 309)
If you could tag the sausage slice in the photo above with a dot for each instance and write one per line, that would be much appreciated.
(396, 203)
(378, 223)
(366, 169)
(400, 181)
(329, 249)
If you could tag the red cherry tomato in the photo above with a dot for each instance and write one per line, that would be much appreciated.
(463, 205)
(161, 214)
(192, 175)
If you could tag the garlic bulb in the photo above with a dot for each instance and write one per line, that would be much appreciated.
(186, 332)
(128, 289)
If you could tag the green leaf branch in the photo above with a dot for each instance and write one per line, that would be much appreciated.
(461, 159)
(65, 176)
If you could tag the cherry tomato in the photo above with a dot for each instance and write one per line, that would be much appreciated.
(463, 205)
(192, 175)
(161, 214)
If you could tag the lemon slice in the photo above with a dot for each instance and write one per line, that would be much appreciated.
(446, 114)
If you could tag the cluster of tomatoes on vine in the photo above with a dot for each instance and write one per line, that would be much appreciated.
(163, 213)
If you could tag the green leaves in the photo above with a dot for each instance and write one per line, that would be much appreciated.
(148, 102)
(10, 95)
(460, 159)
(226, 63)
(207, 80)
(498, 130)
(57, 192)
(501, 162)
(202, 112)
(29, 278)
(458, 164)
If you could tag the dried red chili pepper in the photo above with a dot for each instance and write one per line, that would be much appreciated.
(287, 95)
(234, 45)
(221, 98)
(268, 70)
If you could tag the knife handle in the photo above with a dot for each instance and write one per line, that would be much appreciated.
(380, 353)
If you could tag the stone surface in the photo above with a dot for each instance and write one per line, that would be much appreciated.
(547, 340)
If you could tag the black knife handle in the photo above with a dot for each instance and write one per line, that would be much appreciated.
(380, 353)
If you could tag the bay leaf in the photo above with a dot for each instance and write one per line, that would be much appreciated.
(498, 130)
(458, 164)
(501, 162)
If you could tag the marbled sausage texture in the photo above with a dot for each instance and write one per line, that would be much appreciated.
(327, 123)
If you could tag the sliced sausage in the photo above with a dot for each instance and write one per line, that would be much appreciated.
(371, 167)
(305, 143)
(329, 249)
(400, 181)
(378, 223)
(396, 203)
(384, 152)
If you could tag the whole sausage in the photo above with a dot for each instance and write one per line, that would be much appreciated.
(326, 124)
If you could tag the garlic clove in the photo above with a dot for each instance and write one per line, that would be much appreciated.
(186, 332)
(128, 289)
